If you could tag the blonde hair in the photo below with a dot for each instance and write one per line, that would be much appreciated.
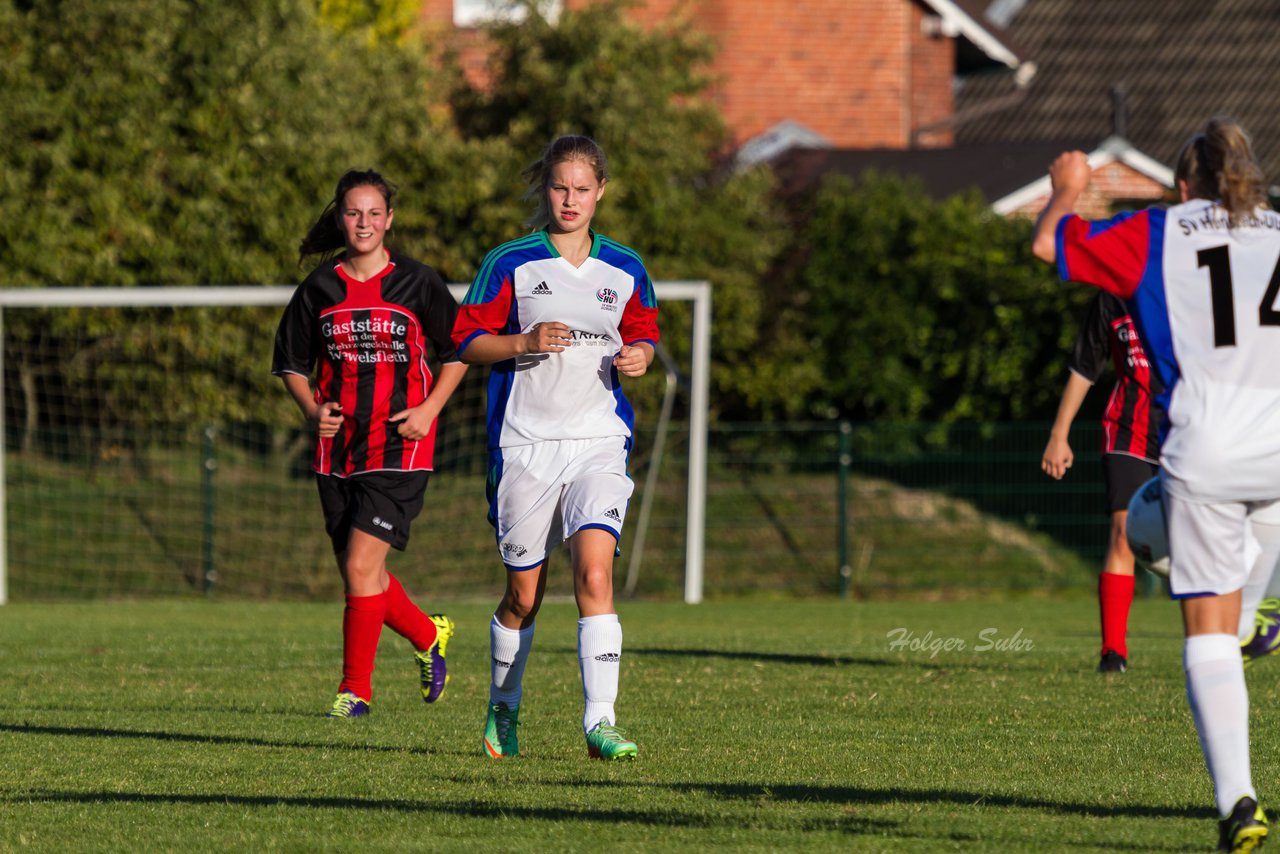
(560, 150)
(1218, 163)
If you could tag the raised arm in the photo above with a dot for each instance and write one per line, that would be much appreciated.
(1069, 176)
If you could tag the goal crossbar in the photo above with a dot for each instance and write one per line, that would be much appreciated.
(696, 292)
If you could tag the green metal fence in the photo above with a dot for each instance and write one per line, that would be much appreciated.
(858, 510)
(869, 510)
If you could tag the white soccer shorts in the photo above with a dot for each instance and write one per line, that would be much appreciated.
(1211, 546)
(548, 491)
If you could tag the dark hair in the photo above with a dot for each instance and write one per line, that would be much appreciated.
(325, 237)
(560, 150)
(1218, 163)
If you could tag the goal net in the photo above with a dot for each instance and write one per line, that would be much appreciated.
(148, 451)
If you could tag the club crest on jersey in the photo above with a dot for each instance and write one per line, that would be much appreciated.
(608, 299)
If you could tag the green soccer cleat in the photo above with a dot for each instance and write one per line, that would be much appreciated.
(1265, 639)
(431, 666)
(606, 741)
(500, 740)
(1243, 830)
(348, 705)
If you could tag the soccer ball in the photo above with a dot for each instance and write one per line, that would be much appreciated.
(1145, 528)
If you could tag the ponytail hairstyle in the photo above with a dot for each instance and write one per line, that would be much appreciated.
(562, 149)
(325, 237)
(1218, 163)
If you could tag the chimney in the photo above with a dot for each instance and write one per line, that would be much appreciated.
(1119, 110)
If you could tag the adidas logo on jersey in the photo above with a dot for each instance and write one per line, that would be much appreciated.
(542, 289)
(612, 513)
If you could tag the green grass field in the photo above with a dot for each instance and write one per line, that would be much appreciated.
(775, 726)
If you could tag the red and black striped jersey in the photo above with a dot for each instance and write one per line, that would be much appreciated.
(371, 341)
(1131, 421)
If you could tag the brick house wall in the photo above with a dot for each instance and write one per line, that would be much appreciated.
(471, 46)
(864, 74)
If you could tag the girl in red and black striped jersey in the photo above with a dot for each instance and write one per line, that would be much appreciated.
(1130, 449)
(369, 318)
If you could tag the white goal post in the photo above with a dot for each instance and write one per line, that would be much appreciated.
(698, 293)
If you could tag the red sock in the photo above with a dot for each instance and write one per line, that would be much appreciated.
(361, 628)
(1115, 595)
(406, 618)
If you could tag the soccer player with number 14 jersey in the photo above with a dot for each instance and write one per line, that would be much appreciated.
(1202, 280)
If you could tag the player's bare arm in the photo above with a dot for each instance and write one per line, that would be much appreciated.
(1058, 455)
(548, 337)
(634, 360)
(1068, 175)
(327, 416)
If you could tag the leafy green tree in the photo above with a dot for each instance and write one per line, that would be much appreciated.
(641, 94)
(377, 20)
(194, 141)
(184, 142)
(909, 308)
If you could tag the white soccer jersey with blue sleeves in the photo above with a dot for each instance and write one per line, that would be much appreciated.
(1206, 299)
(608, 301)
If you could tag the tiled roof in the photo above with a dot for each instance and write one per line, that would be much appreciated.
(1180, 62)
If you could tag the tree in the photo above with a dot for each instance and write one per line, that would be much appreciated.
(908, 308)
(640, 94)
(376, 20)
(184, 142)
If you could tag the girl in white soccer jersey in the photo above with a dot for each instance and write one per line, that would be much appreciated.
(1202, 280)
(559, 314)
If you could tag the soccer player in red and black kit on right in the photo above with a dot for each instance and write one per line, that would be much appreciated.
(1130, 449)
(368, 317)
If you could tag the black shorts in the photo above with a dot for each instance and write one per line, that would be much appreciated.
(382, 504)
(1124, 476)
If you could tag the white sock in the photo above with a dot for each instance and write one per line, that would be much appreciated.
(1268, 537)
(599, 651)
(1220, 705)
(509, 650)
(1263, 581)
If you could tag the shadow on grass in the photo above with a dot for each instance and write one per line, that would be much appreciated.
(611, 815)
(774, 657)
(922, 661)
(203, 738)
(765, 793)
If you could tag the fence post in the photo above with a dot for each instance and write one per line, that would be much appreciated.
(4, 444)
(208, 467)
(845, 460)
